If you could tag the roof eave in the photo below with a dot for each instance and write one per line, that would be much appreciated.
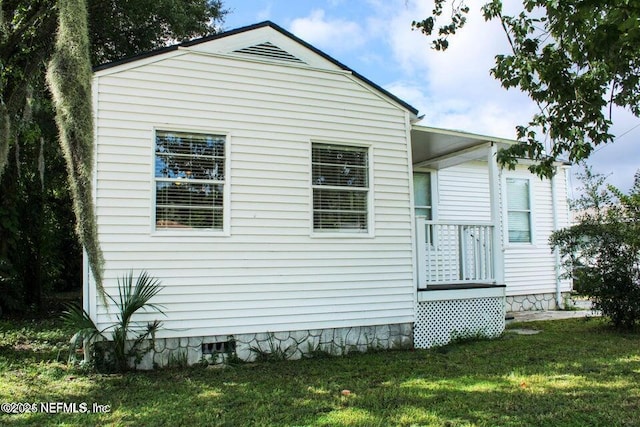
(276, 27)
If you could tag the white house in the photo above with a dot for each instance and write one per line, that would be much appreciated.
(284, 199)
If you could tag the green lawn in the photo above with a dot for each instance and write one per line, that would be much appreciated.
(575, 372)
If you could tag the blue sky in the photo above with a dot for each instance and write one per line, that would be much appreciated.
(452, 89)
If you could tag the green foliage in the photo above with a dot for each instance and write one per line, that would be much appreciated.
(178, 360)
(24, 213)
(117, 28)
(120, 28)
(39, 251)
(457, 21)
(10, 296)
(25, 46)
(127, 337)
(602, 251)
(25, 343)
(573, 58)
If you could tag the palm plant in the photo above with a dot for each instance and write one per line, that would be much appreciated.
(126, 339)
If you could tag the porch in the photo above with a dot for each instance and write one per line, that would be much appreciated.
(459, 263)
(458, 295)
(454, 255)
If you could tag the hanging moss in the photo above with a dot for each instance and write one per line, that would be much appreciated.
(5, 137)
(69, 78)
(5, 130)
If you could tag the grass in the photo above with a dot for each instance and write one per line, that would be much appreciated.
(574, 373)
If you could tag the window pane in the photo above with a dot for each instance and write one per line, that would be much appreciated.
(518, 210)
(346, 207)
(339, 220)
(519, 227)
(181, 159)
(340, 154)
(180, 204)
(192, 144)
(185, 217)
(187, 194)
(189, 156)
(339, 200)
(517, 194)
(339, 166)
(174, 166)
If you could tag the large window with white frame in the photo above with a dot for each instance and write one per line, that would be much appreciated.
(519, 210)
(189, 180)
(340, 184)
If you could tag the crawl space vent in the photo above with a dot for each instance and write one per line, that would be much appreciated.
(268, 50)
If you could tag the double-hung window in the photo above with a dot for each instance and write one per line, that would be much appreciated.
(519, 210)
(340, 183)
(189, 180)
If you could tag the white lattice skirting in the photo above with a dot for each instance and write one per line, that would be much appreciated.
(440, 322)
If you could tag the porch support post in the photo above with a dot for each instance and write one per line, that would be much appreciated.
(494, 194)
(421, 252)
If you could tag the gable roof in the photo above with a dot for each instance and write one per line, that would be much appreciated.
(250, 28)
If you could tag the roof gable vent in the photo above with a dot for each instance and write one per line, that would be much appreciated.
(268, 50)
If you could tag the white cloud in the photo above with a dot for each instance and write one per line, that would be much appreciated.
(453, 89)
(622, 157)
(336, 35)
(411, 93)
(487, 117)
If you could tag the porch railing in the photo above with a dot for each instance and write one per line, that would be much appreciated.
(454, 253)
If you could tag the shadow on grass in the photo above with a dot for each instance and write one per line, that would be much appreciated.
(574, 373)
(32, 341)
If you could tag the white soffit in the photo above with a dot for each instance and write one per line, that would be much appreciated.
(440, 148)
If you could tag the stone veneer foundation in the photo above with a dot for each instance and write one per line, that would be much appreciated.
(296, 344)
(534, 302)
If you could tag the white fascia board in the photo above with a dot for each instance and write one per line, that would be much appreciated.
(462, 134)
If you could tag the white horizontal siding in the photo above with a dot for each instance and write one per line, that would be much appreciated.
(306, 84)
(463, 195)
(530, 268)
(293, 304)
(269, 274)
(272, 323)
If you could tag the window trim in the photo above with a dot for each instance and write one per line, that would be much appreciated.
(226, 192)
(344, 233)
(505, 202)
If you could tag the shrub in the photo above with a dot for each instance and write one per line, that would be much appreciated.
(601, 252)
(127, 339)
